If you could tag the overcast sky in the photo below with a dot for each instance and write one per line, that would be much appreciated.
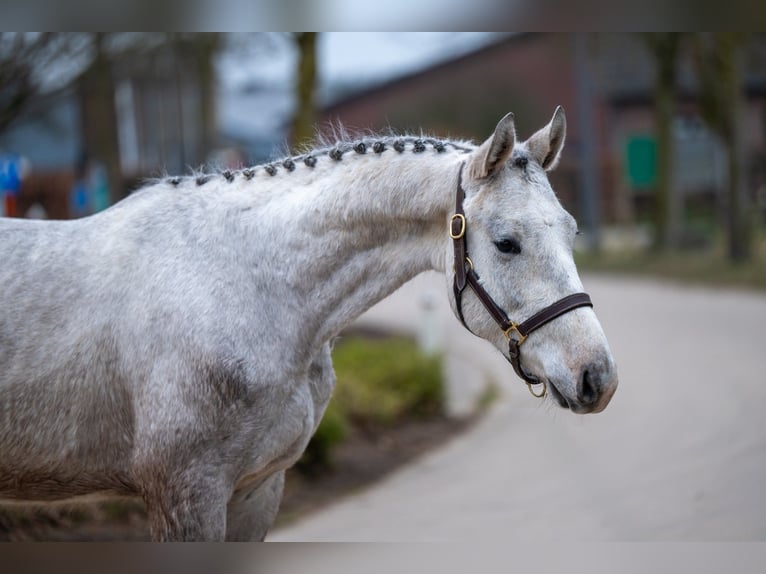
(345, 56)
(346, 60)
(351, 57)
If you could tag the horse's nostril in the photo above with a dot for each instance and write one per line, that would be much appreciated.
(587, 390)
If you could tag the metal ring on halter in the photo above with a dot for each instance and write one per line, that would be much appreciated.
(514, 327)
(461, 218)
(536, 395)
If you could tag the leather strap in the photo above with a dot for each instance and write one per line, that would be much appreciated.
(457, 232)
(492, 308)
(557, 309)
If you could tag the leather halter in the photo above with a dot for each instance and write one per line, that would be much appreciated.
(516, 333)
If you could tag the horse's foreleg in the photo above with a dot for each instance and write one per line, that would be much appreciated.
(252, 510)
(178, 512)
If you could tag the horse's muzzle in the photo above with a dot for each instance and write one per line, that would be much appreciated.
(594, 389)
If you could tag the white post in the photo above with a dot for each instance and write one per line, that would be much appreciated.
(429, 333)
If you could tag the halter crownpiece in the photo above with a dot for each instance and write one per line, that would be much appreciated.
(516, 333)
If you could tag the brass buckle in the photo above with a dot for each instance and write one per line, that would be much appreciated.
(520, 339)
(540, 395)
(461, 217)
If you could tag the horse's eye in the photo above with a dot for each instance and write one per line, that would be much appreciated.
(508, 245)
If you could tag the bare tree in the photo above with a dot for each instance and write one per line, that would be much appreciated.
(664, 47)
(33, 62)
(720, 63)
(303, 119)
(99, 116)
(116, 51)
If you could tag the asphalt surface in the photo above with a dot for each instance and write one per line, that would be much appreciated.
(678, 455)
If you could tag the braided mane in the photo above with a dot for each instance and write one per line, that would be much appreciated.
(333, 149)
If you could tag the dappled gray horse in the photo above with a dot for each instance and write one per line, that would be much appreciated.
(175, 347)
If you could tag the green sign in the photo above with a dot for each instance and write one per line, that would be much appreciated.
(641, 161)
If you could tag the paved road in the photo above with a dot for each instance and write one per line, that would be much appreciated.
(679, 454)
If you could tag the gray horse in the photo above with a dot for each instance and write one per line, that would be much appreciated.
(175, 347)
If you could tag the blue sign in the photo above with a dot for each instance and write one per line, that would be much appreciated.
(10, 180)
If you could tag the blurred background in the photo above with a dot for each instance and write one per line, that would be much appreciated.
(664, 168)
(665, 146)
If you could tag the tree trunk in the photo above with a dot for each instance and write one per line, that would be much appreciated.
(303, 120)
(738, 213)
(668, 208)
(720, 66)
(99, 119)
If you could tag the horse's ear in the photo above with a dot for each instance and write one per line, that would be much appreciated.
(494, 152)
(546, 145)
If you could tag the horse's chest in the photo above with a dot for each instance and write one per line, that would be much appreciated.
(293, 425)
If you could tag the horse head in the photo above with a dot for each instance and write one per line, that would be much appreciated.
(512, 243)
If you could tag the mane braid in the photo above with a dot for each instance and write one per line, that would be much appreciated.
(334, 150)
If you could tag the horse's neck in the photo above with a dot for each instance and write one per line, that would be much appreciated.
(360, 229)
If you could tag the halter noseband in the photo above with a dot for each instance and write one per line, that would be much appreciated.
(516, 333)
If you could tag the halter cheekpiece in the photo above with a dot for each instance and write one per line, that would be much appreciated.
(516, 333)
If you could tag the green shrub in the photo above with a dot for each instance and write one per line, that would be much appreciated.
(386, 380)
(331, 431)
(380, 382)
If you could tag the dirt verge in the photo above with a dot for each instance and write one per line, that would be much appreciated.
(365, 457)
